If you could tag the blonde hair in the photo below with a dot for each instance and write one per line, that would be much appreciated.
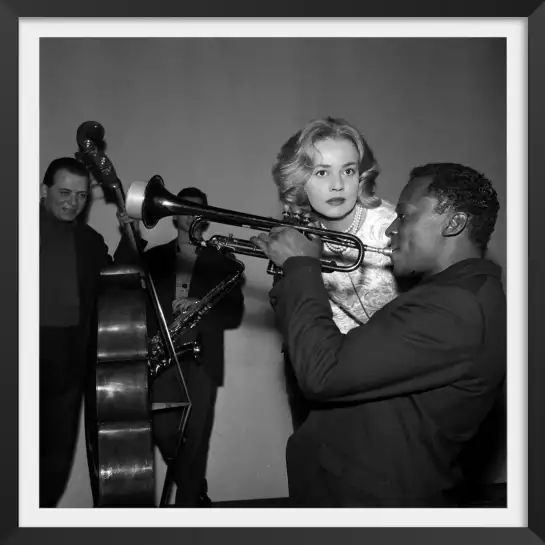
(294, 167)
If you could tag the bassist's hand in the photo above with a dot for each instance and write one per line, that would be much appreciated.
(124, 219)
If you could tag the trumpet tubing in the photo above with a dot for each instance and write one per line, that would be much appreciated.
(245, 247)
(151, 202)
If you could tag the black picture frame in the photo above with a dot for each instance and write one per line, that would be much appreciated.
(10, 12)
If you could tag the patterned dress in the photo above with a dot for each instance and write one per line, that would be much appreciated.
(357, 295)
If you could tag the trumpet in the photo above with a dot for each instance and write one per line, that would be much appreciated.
(151, 201)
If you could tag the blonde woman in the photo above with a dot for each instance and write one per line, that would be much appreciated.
(327, 171)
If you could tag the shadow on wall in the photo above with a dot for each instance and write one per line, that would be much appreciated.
(258, 312)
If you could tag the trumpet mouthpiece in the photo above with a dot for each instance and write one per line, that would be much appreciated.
(384, 251)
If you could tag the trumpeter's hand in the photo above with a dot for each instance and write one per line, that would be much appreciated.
(285, 242)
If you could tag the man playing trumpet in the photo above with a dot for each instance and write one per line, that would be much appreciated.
(397, 399)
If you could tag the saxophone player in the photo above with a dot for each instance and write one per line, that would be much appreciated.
(183, 274)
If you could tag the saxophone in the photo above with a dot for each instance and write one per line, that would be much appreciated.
(158, 359)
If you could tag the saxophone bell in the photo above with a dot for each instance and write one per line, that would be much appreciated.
(159, 361)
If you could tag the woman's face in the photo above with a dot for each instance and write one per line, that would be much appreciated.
(334, 184)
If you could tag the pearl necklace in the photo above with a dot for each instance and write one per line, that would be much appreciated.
(337, 249)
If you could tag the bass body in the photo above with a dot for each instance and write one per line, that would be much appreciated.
(119, 417)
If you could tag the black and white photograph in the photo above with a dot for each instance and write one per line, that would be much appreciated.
(271, 273)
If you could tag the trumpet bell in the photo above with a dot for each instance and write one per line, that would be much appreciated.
(143, 202)
(135, 198)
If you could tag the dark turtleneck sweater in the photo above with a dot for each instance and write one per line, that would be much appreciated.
(59, 297)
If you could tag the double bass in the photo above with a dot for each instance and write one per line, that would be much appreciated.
(119, 439)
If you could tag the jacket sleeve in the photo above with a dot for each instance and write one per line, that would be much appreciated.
(105, 257)
(125, 253)
(410, 345)
(98, 249)
(228, 312)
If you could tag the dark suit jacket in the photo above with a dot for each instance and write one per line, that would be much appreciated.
(211, 267)
(399, 397)
(91, 256)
